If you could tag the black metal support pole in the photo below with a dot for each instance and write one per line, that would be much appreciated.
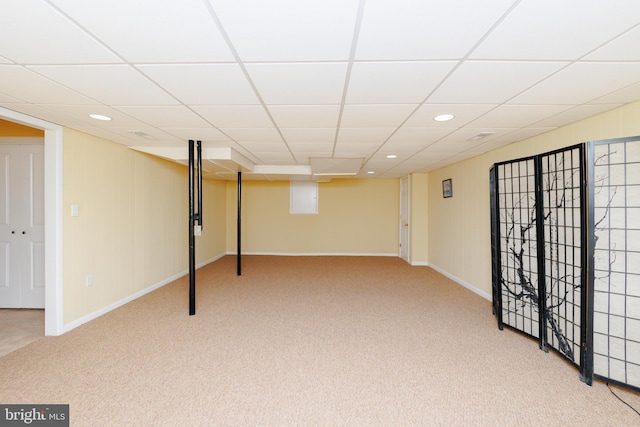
(192, 239)
(239, 256)
(199, 150)
(496, 267)
(587, 242)
(542, 288)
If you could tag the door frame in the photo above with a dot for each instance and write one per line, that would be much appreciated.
(406, 204)
(53, 192)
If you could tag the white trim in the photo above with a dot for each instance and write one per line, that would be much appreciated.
(472, 288)
(53, 144)
(408, 201)
(129, 298)
(419, 264)
(310, 254)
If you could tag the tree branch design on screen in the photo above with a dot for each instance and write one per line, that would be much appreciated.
(560, 204)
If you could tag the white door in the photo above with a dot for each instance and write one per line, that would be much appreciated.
(404, 218)
(22, 225)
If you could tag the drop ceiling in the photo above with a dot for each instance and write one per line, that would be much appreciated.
(276, 88)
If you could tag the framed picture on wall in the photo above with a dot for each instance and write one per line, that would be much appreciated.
(447, 188)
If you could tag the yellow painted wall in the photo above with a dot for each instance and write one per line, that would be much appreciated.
(14, 129)
(356, 216)
(132, 228)
(459, 228)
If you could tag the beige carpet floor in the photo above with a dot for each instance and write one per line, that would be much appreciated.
(331, 341)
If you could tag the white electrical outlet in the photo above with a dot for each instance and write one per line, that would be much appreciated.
(89, 280)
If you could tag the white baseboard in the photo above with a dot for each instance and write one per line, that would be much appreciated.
(84, 319)
(472, 288)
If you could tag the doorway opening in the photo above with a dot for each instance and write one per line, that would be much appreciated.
(53, 134)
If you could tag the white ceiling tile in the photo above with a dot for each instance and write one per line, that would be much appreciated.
(485, 147)
(146, 135)
(626, 47)
(380, 155)
(355, 149)
(390, 115)
(581, 83)
(358, 135)
(309, 135)
(466, 133)
(302, 116)
(376, 164)
(463, 113)
(312, 30)
(265, 146)
(520, 134)
(6, 99)
(25, 85)
(395, 82)
(395, 147)
(419, 134)
(517, 116)
(318, 149)
(235, 116)
(272, 157)
(180, 80)
(424, 158)
(463, 155)
(483, 82)
(335, 165)
(253, 135)
(628, 94)
(45, 113)
(552, 30)
(109, 134)
(574, 114)
(204, 134)
(110, 84)
(148, 31)
(450, 146)
(80, 113)
(203, 84)
(165, 116)
(299, 83)
(414, 29)
(34, 33)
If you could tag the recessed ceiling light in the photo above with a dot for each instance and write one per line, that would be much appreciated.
(100, 117)
(391, 156)
(443, 117)
(371, 172)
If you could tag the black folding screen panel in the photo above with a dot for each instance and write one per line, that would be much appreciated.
(516, 212)
(563, 215)
(565, 239)
(615, 251)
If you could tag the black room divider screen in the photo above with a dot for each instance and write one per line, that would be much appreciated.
(565, 238)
